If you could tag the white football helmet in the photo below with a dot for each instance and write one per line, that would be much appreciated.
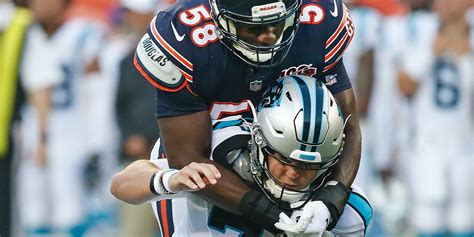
(299, 119)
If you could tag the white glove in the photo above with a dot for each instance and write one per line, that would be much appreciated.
(312, 219)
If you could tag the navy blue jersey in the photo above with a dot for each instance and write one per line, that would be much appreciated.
(212, 78)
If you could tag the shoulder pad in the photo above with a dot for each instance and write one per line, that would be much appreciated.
(154, 65)
(183, 33)
(340, 32)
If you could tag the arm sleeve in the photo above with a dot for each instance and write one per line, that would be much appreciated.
(163, 61)
(178, 103)
(336, 79)
(341, 31)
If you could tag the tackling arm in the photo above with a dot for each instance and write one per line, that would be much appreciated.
(188, 139)
(346, 169)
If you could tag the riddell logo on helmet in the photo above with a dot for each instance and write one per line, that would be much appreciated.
(303, 69)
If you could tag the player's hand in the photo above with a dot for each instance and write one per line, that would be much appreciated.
(312, 219)
(194, 177)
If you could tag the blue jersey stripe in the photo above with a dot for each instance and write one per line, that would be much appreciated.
(169, 213)
(225, 124)
(362, 207)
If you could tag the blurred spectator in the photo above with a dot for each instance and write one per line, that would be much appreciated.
(13, 25)
(387, 124)
(64, 52)
(359, 62)
(133, 105)
(437, 74)
(133, 99)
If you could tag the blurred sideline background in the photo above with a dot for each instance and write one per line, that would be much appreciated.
(412, 68)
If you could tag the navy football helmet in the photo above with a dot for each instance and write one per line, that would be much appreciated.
(228, 14)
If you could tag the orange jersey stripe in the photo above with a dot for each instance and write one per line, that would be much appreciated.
(338, 31)
(164, 218)
(168, 47)
(335, 49)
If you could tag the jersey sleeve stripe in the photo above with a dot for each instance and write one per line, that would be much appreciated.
(143, 71)
(168, 47)
(336, 49)
(191, 91)
(186, 75)
(362, 207)
(326, 68)
(338, 30)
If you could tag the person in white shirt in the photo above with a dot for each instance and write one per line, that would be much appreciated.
(60, 50)
(436, 73)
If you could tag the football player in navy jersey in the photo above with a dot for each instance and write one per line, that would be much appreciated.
(207, 58)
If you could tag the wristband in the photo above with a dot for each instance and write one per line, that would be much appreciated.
(334, 195)
(166, 178)
(156, 182)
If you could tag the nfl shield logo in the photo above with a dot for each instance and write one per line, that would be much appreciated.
(255, 85)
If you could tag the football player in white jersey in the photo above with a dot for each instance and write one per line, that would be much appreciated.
(359, 61)
(61, 49)
(438, 74)
(287, 153)
(388, 116)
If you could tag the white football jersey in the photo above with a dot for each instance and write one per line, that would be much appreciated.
(56, 61)
(62, 57)
(385, 100)
(367, 21)
(442, 112)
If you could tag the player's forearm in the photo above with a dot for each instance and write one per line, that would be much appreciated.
(228, 191)
(188, 139)
(132, 185)
(346, 169)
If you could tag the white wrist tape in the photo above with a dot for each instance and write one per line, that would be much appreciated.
(166, 178)
(158, 182)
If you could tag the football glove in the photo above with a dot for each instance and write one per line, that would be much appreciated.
(312, 219)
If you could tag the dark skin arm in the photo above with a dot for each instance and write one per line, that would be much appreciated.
(188, 138)
(346, 169)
